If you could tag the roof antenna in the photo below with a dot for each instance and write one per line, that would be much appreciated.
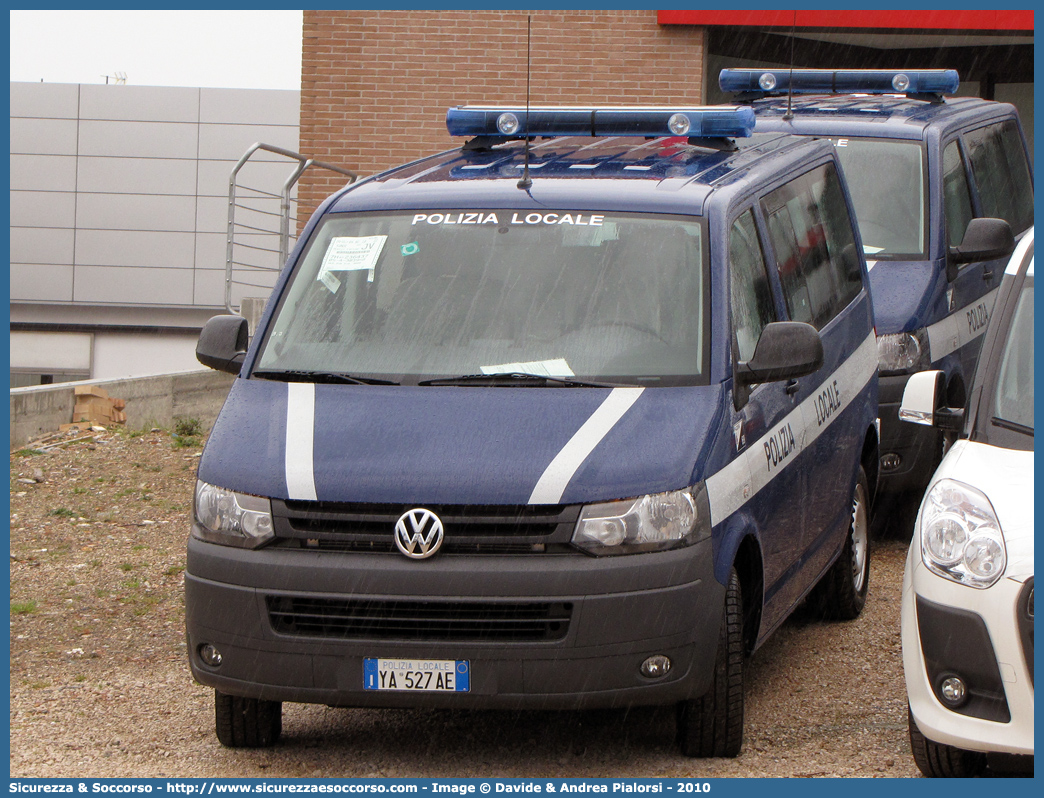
(790, 81)
(525, 183)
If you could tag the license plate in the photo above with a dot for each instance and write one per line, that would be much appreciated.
(423, 675)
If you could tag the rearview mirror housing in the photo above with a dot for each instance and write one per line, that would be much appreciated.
(786, 350)
(223, 343)
(984, 239)
(924, 402)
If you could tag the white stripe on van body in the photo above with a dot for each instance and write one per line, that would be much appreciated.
(951, 333)
(560, 471)
(300, 433)
(753, 469)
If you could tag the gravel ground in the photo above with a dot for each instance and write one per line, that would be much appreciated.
(100, 686)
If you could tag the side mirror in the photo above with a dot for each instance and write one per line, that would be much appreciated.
(924, 402)
(223, 343)
(985, 239)
(785, 350)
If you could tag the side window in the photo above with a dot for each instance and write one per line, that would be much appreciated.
(956, 195)
(1001, 173)
(751, 294)
(840, 236)
(788, 254)
(814, 243)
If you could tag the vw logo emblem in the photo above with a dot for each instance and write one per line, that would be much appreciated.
(418, 533)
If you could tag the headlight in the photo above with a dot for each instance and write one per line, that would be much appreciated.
(961, 538)
(903, 352)
(647, 523)
(231, 519)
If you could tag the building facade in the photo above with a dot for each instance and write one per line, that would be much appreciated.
(375, 85)
(119, 217)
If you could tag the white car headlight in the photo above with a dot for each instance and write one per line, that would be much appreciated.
(231, 519)
(961, 538)
(648, 523)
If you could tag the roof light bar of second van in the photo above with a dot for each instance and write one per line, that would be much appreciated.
(842, 81)
(511, 122)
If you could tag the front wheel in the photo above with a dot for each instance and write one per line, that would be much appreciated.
(936, 760)
(712, 725)
(841, 594)
(246, 722)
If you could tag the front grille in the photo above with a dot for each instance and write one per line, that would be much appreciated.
(1025, 621)
(469, 529)
(418, 620)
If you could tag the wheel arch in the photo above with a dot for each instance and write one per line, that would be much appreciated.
(742, 551)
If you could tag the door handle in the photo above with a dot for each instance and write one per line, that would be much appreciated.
(792, 387)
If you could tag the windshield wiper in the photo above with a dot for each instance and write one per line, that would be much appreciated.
(320, 376)
(517, 379)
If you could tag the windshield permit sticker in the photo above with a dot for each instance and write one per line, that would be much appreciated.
(350, 254)
(410, 249)
(538, 368)
(590, 236)
(330, 281)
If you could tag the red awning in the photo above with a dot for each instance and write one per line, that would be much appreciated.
(892, 19)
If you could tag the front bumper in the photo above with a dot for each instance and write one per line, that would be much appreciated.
(998, 668)
(606, 616)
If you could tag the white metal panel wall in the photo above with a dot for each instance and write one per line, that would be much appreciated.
(119, 193)
(127, 355)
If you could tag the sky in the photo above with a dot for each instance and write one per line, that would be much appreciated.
(206, 49)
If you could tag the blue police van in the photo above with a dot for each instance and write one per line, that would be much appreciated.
(573, 415)
(930, 176)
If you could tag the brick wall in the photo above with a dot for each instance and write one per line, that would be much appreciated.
(375, 85)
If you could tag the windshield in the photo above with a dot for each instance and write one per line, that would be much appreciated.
(886, 181)
(411, 296)
(1013, 402)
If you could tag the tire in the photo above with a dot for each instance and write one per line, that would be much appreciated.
(936, 760)
(246, 722)
(712, 725)
(841, 593)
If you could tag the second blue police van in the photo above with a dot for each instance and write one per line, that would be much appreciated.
(573, 415)
(940, 186)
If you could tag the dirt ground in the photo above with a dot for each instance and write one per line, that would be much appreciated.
(100, 685)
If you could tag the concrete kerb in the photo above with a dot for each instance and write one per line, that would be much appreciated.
(151, 401)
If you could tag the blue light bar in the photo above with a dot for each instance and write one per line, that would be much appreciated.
(842, 81)
(693, 122)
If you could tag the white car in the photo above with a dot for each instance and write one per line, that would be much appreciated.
(967, 611)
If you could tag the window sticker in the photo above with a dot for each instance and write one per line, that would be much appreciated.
(330, 281)
(538, 368)
(410, 249)
(590, 236)
(351, 253)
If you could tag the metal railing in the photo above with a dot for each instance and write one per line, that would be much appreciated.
(259, 201)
